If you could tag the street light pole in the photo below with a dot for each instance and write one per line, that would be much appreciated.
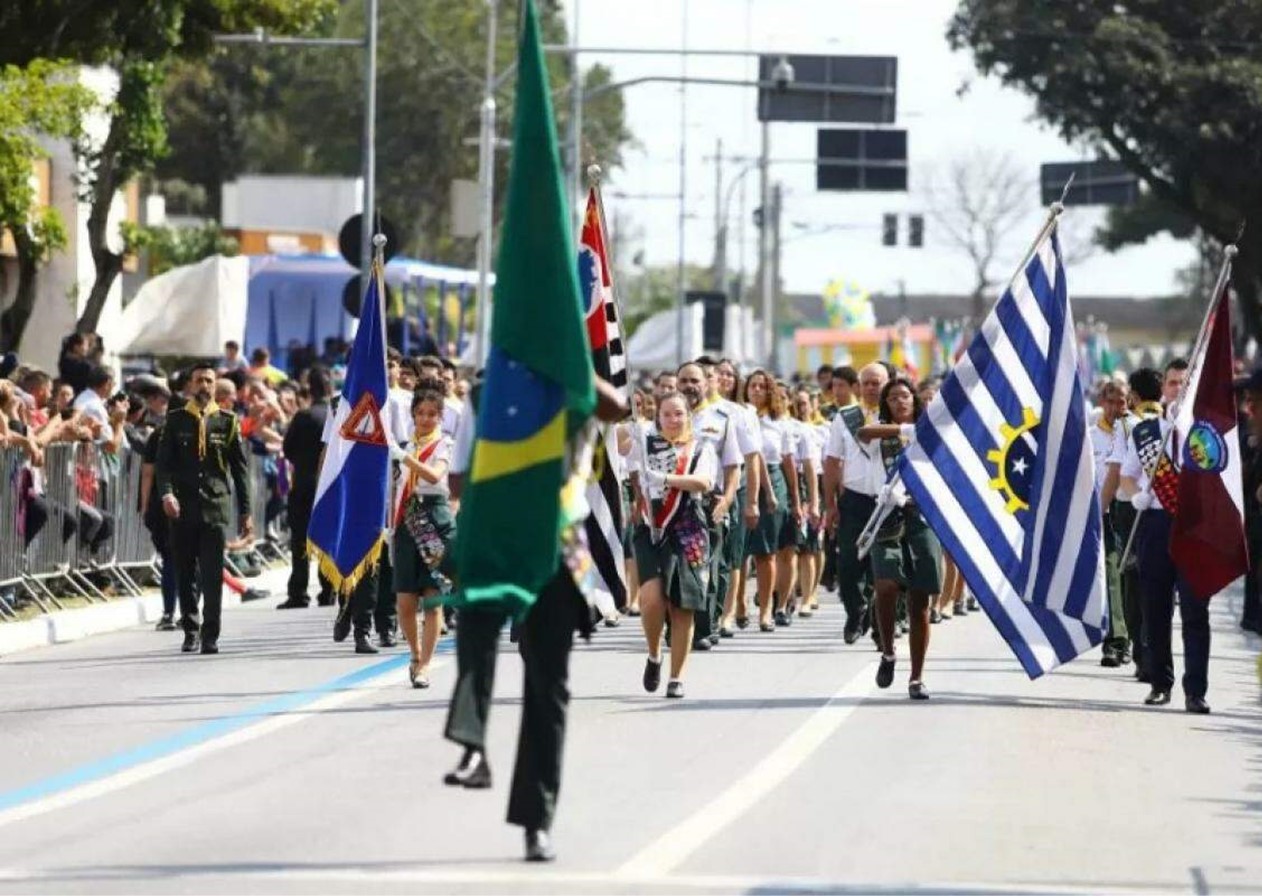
(486, 178)
(367, 222)
(683, 189)
(764, 262)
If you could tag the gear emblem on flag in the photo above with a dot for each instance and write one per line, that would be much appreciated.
(1014, 462)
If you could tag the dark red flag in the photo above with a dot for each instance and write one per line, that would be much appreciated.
(1207, 539)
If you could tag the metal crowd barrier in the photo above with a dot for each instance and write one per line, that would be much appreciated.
(75, 481)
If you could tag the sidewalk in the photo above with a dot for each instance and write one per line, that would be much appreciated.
(63, 626)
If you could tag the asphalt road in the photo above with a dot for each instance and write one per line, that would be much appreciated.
(288, 764)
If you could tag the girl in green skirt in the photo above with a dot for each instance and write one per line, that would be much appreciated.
(771, 543)
(424, 530)
(808, 461)
(906, 553)
(672, 549)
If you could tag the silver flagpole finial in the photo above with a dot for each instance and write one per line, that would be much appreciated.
(1059, 206)
(594, 174)
(379, 241)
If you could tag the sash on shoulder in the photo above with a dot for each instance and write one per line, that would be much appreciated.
(1156, 463)
(664, 457)
(411, 481)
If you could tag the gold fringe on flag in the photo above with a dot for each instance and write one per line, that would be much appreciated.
(346, 584)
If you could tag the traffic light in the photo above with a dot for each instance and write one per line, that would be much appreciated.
(889, 231)
(916, 231)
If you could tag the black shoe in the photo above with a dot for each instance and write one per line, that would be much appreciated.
(916, 690)
(613, 621)
(652, 675)
(973, 606)
(165, 624)
(934, 617)
(190, 643)
(473, 772)
(674, 689)
(742, 622)
(1109, 660)
(714, 638)
(294, 603)
(1157, 697)
(1124, 657)
(386, 639)
(726, 632)
(1197, 705)
(342, 627)
(702, 644)
(854, 628)
(766, 627)
(539, 847)
(782, 619)
(363, 645)
(903, 627)
(325, 600)
(210, 647)
(251, 594)
(885, 672)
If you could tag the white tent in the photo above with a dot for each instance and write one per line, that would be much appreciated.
(190, 310)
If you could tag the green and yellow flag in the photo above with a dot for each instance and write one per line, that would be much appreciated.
(538, 388)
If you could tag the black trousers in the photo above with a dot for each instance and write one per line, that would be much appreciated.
(854, 577)
(546, 638)
(197, 549)
(1158, 582)
(373, 600)
(300, 503)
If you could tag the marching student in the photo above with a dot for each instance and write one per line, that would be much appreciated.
(727, 383)
(716, 426)
(1111, 408)
(906, 554)
(424, 530)
(672, 550)
(850, 496)
(780, 506)
(807, 459)
(1145, 473)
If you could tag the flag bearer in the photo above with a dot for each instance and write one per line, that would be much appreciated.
(906, 554)
(1150, 479)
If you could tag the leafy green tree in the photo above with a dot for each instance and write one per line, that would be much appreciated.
(171, 247)
(1168, 87)
(654, 289)
(139, 39)
(39, 100)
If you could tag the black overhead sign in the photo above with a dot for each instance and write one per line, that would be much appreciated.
(1095, 183)
(859, 159)
(830, 89)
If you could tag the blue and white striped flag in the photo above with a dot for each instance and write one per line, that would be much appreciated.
(1002, 468)
(346, 533)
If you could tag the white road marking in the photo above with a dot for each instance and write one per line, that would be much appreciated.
(669, 851)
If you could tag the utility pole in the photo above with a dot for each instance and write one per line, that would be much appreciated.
(576, 129)
(486, 179)
(777, 195)
(764, 262)
(720, 225)
(682, 284)
(368, 224)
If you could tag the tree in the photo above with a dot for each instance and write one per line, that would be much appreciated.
(268, 110)
(1168, 87)
(40, 100)
(171, 247)
(654, 289)
(976, 203)
(139, 39)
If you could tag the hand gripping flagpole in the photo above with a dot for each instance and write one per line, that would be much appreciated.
(1198, 358)
(868, 536)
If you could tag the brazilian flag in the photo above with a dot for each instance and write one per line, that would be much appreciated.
(538, 388)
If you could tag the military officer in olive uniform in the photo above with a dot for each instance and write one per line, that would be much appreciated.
(200, 463)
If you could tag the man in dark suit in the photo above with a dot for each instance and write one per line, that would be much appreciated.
(200, 465)
(303, 447)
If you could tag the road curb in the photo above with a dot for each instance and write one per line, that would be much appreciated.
(64, 626)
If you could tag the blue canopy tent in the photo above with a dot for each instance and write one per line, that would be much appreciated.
(298, 299)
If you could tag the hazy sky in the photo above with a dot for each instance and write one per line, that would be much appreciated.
(942, 127)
